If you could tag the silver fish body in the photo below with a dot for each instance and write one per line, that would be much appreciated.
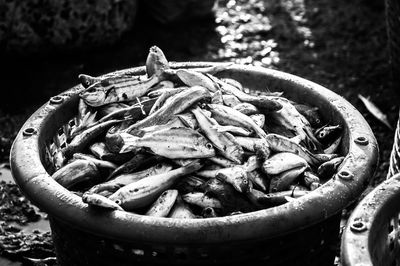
(175, 143)
(145, 191)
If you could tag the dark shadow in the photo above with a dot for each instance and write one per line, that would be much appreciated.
(31, 80)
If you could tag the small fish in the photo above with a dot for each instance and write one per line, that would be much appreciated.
(189, 184)
(237, 131)
(233, 83)
(161, 87)
(329, 168)
(145, 191)
(216, 98)
(118, 89)
(326, 134)
(283, 180)
(137, 162)
(180, 210)
(163, 98)
(259, 180)
(230, 100)
(252, 163)
(175, 143)
(189, 120)
(76, 172)
(82, 140)
(100, 151)
(192, 78)
(281, 197)
(246, 108)
(230, 198)
(222, 161)
(266, 103)
(202, 200)
(375, 111)
(224, 142)
(135, 111)
(279, 143)
(156, 62)
(128, 178)
(310, 113)
(289, 118)
(87, 80)
(163, 205)
(100, 201)
(281, 162)
(334, 146)
(236, 176)
(97, 162)
(259, 119)
(229, 116)
(176, 105)
(248, 143)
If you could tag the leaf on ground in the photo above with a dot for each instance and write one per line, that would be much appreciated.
(375, 111)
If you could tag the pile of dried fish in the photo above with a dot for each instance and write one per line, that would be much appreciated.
(183, 143)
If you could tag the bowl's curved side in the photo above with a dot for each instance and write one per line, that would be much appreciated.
(367, 238)
(359, 165)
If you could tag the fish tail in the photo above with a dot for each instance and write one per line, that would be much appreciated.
(129, 142)
(193, 166)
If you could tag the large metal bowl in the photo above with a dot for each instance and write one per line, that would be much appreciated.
(300, 231)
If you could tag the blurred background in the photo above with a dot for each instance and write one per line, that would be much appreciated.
(45, 45)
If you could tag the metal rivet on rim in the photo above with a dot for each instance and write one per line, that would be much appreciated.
(56, 99)
(361, 141)
(345, 175)
(358, 226)
(29, 131)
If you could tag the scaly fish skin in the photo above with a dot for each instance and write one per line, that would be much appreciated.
(117, 89)
(163, 205)
(281, 162)
(176, 105)
(100, 201)
(156, 62)
(193, 78)
(229, 116)
(76, 172)
(145, 191)
(202, 200)
(224, 142)
(126, 179)
(175, 143)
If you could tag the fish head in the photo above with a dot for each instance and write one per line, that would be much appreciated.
(205, 148)
(87, 80)
(241, 180)
(162, 167)
(94, 95)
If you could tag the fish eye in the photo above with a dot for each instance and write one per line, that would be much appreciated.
(135, 190)
(118, 202)
(322, 134)
(209, 145)
(159, 166)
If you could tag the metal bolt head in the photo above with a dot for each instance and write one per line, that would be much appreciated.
(29, 131)
(358, 226)
(361, 141)
(56, 99)
(345, 175)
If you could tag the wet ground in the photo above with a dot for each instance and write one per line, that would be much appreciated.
(341, 45)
